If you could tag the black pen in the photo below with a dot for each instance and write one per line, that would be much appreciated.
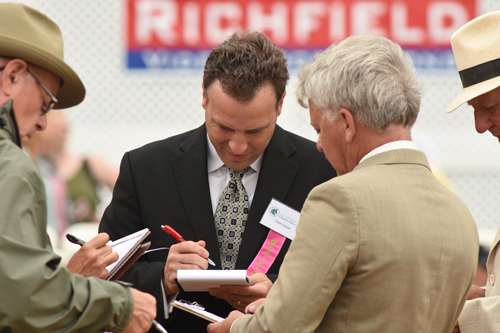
(75, 240)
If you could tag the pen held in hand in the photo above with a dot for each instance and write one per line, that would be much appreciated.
(75, 240)
(78, 241)
(169, 230)
(159, 327)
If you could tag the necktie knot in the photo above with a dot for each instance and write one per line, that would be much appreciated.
(237, 174)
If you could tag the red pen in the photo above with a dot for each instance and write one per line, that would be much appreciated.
(169, 230)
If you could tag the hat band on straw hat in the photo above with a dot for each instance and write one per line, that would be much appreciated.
(480, 73)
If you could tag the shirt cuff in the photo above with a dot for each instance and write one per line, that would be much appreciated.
(167, 301)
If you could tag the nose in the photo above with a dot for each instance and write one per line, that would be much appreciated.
(319, 145)
(238, 144)
(482, 121)
(41, 124)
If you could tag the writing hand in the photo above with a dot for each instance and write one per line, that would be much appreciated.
(185, 255)
(93, 257)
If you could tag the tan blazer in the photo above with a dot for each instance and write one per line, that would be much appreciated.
(483, 314)
(385, 248)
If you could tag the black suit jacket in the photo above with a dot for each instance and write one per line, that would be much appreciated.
(166, 182)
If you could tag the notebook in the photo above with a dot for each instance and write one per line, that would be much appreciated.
(129, 248)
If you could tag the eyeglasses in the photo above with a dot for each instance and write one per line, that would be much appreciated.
(53, 99)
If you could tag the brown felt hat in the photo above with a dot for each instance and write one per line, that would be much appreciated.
(27, 34)
(476, 47)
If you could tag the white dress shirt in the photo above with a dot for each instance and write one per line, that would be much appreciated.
(218, 176)
(402, 144)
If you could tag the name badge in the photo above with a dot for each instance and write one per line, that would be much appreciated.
(281, 218)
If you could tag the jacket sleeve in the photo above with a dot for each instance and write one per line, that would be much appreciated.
(36, 294)
(314, 268)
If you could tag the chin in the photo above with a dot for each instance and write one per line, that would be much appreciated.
(238, 165)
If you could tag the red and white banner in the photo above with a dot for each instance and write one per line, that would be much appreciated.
(293, 24)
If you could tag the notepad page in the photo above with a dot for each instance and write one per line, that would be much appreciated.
(123, 245)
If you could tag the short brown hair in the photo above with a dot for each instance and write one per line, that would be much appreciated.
(244, 63)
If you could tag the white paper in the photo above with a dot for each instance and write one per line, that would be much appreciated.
(202, 280)
(123, 245)
(281, 218)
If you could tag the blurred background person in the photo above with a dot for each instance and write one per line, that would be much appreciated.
(83, 174)
(55, 187)
(73, 182)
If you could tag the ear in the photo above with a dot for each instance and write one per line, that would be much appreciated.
(347, 120)
(205, 97)
(11, 74)
(280, 105)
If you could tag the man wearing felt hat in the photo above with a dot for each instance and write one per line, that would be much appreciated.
(36, 294)
(476, 47)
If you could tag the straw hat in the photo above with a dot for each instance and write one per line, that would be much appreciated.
(476, 47)
(27, 34)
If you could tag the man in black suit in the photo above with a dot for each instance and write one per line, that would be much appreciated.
(178, 181)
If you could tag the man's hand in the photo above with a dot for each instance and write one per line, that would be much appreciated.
(225, 325)
(93, 257)
(185, 255)
(241, 296)
(144, 312)
(252, 307)
(474, 292)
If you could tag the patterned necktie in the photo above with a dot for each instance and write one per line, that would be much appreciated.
(231, 218)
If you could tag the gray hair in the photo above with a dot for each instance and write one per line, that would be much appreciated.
(370, 76)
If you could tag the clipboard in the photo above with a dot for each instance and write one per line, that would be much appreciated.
(197, 310)
(129, 248)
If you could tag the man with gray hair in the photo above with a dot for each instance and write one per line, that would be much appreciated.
(385, 247)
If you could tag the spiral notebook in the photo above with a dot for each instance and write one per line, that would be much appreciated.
(129, 248)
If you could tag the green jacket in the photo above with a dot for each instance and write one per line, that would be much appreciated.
(36, 294)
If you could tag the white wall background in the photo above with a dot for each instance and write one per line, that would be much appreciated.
(125, 110)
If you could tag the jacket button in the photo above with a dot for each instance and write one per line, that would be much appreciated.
(492, 279)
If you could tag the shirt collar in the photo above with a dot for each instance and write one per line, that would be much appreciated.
(402, 144)
(215, 163)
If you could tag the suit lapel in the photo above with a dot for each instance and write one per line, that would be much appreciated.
(191, 174)
(275, 179)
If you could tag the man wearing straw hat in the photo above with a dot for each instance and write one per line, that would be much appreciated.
(476, 47)
(36, 294)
